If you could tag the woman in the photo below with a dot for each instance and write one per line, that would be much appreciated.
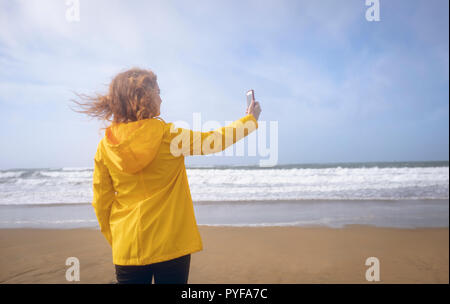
(141, 193)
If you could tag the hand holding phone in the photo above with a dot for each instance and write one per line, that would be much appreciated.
(250, 97)
(253, 106)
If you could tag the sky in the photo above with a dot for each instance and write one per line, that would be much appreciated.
(341, 88)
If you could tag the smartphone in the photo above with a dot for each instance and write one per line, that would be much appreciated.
(250, 96)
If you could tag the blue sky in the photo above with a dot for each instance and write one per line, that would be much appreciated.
(341, 88)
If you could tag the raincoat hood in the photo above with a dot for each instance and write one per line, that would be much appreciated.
(132, 146)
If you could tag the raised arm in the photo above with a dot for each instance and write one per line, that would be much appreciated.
(187, 142)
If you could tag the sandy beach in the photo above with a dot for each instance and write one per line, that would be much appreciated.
(243, 255)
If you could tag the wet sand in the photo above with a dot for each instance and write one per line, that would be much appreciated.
(243, 255)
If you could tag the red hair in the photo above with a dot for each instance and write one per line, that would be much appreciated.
(133, 95)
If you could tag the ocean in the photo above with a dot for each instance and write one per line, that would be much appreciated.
(393, 194)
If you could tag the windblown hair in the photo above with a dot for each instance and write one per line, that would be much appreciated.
(132, 96)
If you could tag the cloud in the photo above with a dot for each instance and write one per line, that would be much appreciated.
(315, 65)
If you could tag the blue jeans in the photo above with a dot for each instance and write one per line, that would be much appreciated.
(174, 271)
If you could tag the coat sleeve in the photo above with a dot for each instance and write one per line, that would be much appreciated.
(188, 142)
(104, 195)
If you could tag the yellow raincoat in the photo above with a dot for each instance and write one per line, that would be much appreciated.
(141, 193)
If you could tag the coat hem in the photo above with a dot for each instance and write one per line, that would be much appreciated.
(147, 261)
